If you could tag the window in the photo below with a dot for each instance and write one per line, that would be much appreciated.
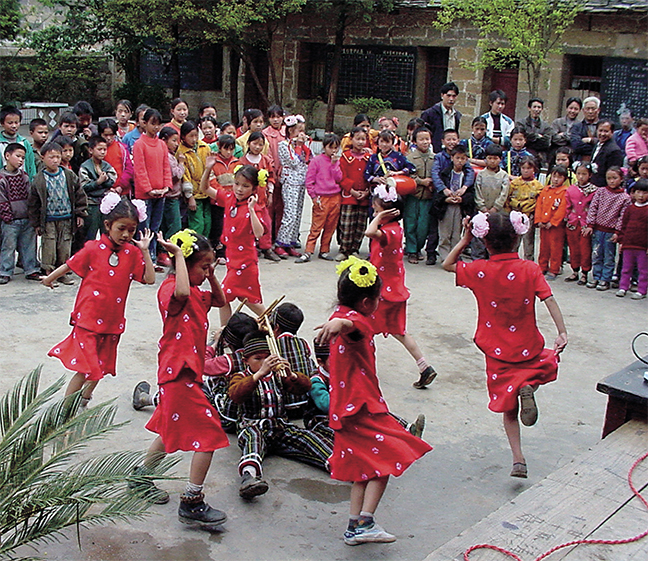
(375, 71)
(200, 69)
(586, 73)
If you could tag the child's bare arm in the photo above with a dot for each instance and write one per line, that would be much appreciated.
(556, 315)
(257, 227)
(332, 328)
(204, 180)
(450, 263)
(218, 297)
(55, 274)
(143, 243)
(182, 287)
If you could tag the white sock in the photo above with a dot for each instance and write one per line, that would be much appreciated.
(193, 490)
(251, 470)
(422, 364)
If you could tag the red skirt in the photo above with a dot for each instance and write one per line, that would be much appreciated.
(370, 446)
(504, 379)
(184, 418)
(243, 283)
(390, 318)
(93, 354)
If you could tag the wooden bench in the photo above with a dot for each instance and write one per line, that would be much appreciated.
(587, 499)
(627, 396)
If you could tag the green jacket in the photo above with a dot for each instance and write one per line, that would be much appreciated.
(423, 162)
(30, 163)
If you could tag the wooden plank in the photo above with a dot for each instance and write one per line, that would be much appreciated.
(569, 504)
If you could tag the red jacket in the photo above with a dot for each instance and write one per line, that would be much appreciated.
(353, 177)
(152, 168)
(634, 228)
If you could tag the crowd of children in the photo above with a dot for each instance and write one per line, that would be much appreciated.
(87, 190)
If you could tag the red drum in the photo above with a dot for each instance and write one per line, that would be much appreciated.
(404, 184)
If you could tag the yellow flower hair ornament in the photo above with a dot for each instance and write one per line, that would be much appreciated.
(263, 177)
(186, 240)
(362, 273)
(237, 168)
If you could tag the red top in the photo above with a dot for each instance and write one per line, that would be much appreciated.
(118, 157)
(151, 163)
(505, 287)
(387, 256)
(238, 236)
(353, 177)
(551, 205)
(264, 163)
(274, 137)
(354, 382)
(184, 331)
(223, 172)
(101, 300)
(577, 205)
(634, 227)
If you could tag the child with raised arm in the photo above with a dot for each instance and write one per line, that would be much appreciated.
(390, 318)
(107, 267)
(505, 287)
(184, 419)
(241, 228)
(369, 444)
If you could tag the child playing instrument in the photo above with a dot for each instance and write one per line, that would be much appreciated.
(390, 317)
(477, 143)
(323, 185)
(579, 197)
(522, 196)
(107, 267)
(355, 195)
(633, 239)
(184, 419)
(262, 425)
(369, 445)
(551, 209)
(241, 228)
(603, 224)
(505, 287)
(513, 156)
(386, 161)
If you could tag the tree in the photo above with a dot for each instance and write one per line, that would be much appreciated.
(9, 19)
(344, 13)
(524, 30)
(42, 488)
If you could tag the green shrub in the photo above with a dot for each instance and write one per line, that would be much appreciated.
(371, 106)
(138, 93)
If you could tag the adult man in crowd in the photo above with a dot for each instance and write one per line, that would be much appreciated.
(442, 116)
(583, 135)
(498, 125)
(539, 133)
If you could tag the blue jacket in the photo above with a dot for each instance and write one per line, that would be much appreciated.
(443, 161)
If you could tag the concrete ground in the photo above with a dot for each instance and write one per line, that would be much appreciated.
(304, 513)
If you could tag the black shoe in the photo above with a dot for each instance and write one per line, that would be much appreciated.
(195, 511)
(270, 255)
(431, 260)
(146, 488)
(252, 486)
(4, 280)
(427, 377)
(141, 389)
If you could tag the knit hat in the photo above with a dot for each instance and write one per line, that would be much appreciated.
(255, 342)
(288, 317)
(322, 350)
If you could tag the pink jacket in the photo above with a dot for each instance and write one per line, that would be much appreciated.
(151, 163)
(577, 206)
(635, 147)
(323, 177)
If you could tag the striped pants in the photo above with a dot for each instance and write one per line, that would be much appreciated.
(284, 439)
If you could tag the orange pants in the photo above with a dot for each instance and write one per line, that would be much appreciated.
(326, 213)
(580, 250)
(551, 249)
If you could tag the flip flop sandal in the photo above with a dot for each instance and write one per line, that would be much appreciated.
(528, 407)
(519, 470)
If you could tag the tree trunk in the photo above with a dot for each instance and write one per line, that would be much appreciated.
(271, 67)
(255, 77)
(175, 63)
(235, 63)
(335, 69)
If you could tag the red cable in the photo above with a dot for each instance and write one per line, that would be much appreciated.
(575, 542)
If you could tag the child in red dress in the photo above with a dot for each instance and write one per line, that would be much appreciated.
(242, 226)
(107, 266)
(184, 419)
(370, 444)
(387, 256)
(505, 287)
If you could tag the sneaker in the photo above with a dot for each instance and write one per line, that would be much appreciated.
(349, 537)
(142, 389)
(638, 296)
(413, 258)
(620, 293)
(33, 276)
(326, 256)
(195, 511)
(373, 534)
(340, 257)
(252, 486)
(303, 258)
(431, 260)
(146, 488)
(602, 285)
(426, 378)
(592, 284)
(634, 287)
(4, 280)
(528, 407)
(418, 426)
(270, 255)
(614, 283)
(66, 279)
(292, 252)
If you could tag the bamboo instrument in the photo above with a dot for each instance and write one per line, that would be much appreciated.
(264, 323)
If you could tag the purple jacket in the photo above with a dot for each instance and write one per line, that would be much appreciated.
(323, 177)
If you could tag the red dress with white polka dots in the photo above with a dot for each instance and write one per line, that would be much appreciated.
(506, 287)
(98, 314)
(368, 441)
(387, 255)
(242, 278)
(184, 418)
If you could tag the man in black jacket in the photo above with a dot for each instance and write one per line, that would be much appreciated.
(443, 115)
